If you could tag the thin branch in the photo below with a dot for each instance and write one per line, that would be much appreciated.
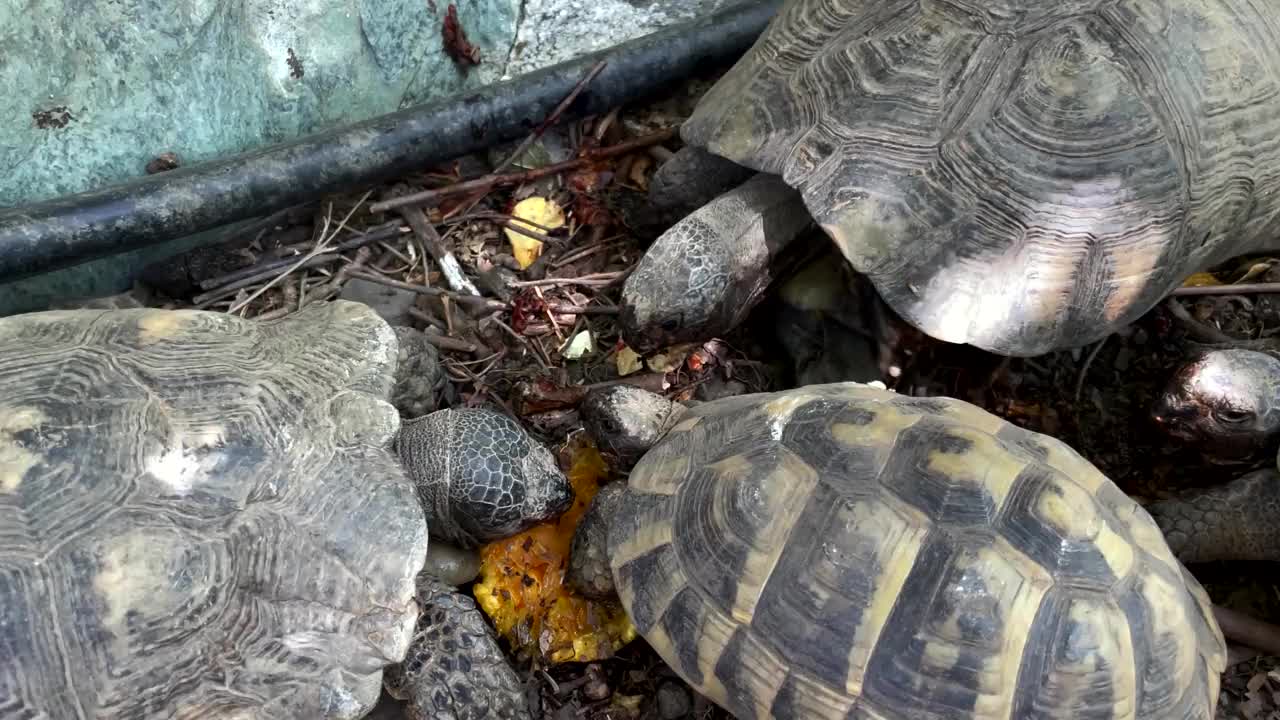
(1197, 329)
(552, 118)
(485, 303)
(449, 266)
(1241, 289)
(322, 246)
(491, 181)
(1084, 369)
(590, 280)
(379, 233)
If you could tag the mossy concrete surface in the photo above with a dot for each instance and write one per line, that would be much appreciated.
(94, 91)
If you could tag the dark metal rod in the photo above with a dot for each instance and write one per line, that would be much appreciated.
(70, 230)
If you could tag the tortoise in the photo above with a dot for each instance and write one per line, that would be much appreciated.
(842, 551)
(455, 668)
(1225, 402)
(1018, 175)
(203, 515)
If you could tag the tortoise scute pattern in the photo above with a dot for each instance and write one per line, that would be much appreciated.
(842, 552)
(189, 525)
(1019, 175)
(455, 669)
(480, 475)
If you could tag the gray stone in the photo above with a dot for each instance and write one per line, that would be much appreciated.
(391, 303)
(673, 701)
(553, 31)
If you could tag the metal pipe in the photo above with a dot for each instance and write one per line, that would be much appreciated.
(74, 229)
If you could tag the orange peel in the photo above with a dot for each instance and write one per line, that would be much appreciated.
(521, 585)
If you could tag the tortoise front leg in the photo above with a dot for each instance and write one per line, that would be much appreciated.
(1236, 521)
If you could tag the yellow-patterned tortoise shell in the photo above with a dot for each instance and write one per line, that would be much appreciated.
(841, 551)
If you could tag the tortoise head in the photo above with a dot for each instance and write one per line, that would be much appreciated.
(1225, 403)
(626, 421)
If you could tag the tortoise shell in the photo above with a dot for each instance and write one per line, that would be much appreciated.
(1020, 175)
(200, 515)
(840, 551)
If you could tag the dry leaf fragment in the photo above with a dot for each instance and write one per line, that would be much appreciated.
(671, 358)
(627, 360)
(1201, 279)
(578, 345)
(535, 209)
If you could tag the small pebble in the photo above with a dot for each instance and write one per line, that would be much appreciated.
(596, 688)
(451, 564)
(716, 388)
(1140, 337)
(391, 303)
(673, 701)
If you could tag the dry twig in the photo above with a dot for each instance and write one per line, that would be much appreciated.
(552, 118)
(1241, 289)
(491, 181)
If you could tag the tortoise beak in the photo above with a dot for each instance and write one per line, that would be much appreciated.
(1174, 416)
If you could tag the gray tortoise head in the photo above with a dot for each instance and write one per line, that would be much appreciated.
(1225, 403)
(200, 514)
(1020, 175)
(480, 476)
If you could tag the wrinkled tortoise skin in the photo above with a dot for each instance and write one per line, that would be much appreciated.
(419, 375)
(200, 516)
(840, 551)
(455, 669)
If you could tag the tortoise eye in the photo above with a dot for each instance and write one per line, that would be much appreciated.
(1234, 417)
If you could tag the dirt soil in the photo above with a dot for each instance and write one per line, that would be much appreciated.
(509, 348)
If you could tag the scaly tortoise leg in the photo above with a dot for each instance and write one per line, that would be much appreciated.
(1236, 521)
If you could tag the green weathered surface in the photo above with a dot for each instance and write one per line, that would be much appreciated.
(94, 91)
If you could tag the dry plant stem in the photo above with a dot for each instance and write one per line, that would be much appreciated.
(542, 237)
(547, 311)
(491, 181)
(448, 343)
(1197, 329)
(496, 217)
(584, 252)
(427, 318)
(1084, 369)
(1241, 628)
(322, 246)
(552, 118)
(334, 286)
(523, 341)
(1241, 289)
(592, 280)
(561, 309)
(426, 232)
(484, 303)
(605, 123)
(380, 233)
(203, 300)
